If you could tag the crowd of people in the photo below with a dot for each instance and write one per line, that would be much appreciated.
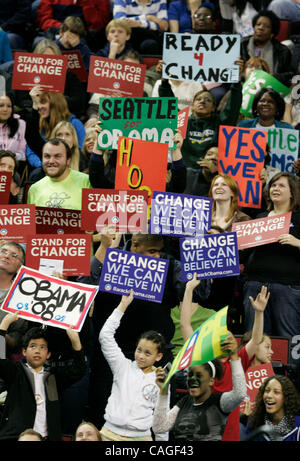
(106, 383)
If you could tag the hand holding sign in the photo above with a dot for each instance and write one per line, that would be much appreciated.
(288, 239)
(74, 338)
(125, 302)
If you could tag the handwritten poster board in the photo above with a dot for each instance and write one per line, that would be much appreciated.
(49, 300)
(201, 58)
(148, 119)
(107, 76)
(124, 271)
(57, 221)
(66, 254)
(125, 211)
(141, 165)
(179, 214)
(46, 70)
(284, 147)
(261, 231)
(17, 222)
(241, 156)
(210, 256)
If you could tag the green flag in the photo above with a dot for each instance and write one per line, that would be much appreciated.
(203, 345)
(259, 79)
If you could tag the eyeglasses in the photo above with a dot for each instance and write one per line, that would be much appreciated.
(201, 16)
(10, 254)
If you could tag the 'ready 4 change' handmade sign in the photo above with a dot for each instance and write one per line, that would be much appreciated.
(49, 300)
(201, 58)
(46, 70)
(124, 271)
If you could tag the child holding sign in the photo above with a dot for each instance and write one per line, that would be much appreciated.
(128, 414)
(33, 390)
(246, 354)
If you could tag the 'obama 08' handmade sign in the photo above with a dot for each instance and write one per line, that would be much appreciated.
(201, 58)
(49, 300)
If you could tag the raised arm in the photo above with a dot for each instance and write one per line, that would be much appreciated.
(259, 305)
(186, 308)
(230, 400)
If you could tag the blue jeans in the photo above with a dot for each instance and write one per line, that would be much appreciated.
(282, 314)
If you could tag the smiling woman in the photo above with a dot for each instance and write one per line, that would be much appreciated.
(278, 406)
(277, 264)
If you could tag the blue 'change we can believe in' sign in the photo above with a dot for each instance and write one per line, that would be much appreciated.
(210, 256)
(179, 214)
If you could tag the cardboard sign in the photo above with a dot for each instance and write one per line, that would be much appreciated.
(241, 155)
(255, 376)
(182, 121)
(259, 79)
(201, 58)
(210, 256)
(125, 211)
(124, 271)
(57, 221)
(76, 64)
(141, 165)
(149, 119)
(108, 76)
(73, 251)
(45, 70)
(5, 181)
(179, 214)
(284, 146)
(17, 222)
(262, 230)
(49, 300)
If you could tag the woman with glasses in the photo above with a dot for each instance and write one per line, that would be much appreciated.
(267, 110)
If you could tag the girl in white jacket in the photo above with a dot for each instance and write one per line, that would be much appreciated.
(129, 411)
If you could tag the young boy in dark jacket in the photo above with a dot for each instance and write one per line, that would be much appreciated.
(33, 390)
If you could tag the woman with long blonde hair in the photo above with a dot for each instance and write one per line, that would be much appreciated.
(225, 210)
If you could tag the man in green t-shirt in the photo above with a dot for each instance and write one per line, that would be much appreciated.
(62, 186)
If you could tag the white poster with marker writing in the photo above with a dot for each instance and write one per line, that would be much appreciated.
(49, 300)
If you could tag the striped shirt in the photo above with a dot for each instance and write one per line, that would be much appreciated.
(132, 9)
